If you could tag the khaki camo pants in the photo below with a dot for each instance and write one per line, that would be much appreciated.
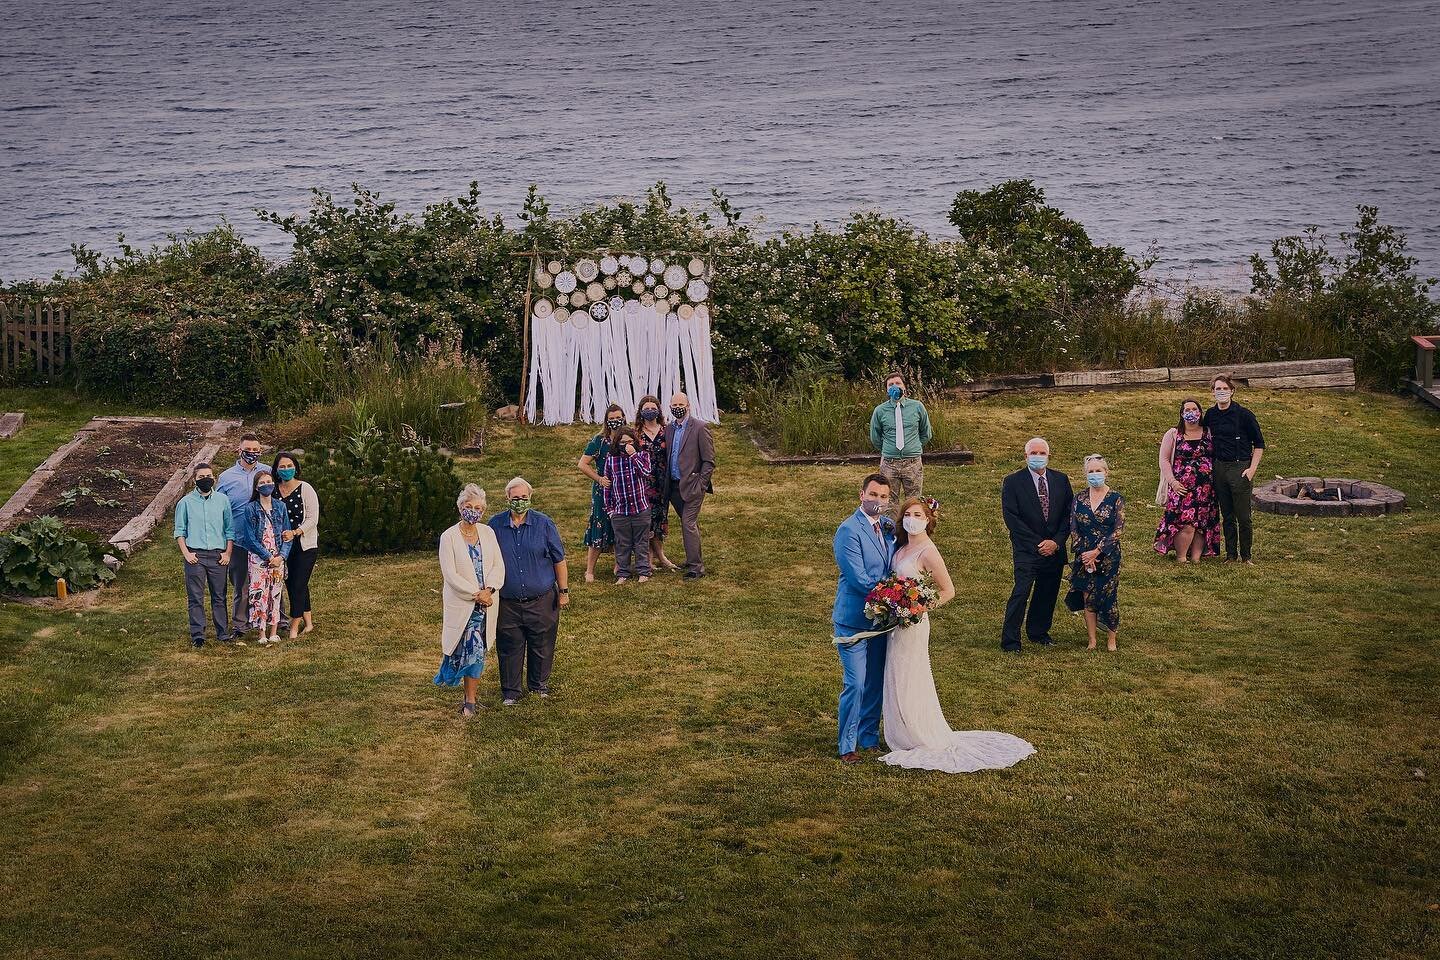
(906, 475)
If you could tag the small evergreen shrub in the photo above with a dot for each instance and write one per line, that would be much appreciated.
(379, 495)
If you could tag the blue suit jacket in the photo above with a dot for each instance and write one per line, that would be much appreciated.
(864, 560)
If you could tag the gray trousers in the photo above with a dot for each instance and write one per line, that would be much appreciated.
(240, 583)
(689, 511)
(632, 536)
(206, 572)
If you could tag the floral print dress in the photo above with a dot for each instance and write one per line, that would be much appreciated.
(598, 532)
(1101, 527)
(1193, 465)
(468, 657)
(265, 581)
(658, 484)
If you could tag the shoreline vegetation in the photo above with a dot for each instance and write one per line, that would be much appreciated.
(206, 320)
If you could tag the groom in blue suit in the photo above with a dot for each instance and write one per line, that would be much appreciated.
(864, 549)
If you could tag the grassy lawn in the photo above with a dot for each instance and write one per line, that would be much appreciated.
(1238, 781)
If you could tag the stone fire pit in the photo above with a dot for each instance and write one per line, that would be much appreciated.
(1328, 497)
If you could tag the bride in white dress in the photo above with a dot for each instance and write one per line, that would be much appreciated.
(915, 727)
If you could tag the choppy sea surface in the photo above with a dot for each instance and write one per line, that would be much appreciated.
(1203, 130)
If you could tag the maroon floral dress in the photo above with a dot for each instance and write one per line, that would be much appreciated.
(1193, 465)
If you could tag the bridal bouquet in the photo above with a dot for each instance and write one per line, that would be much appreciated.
(900, 601)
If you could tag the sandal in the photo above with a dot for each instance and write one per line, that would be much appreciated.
(467, 709)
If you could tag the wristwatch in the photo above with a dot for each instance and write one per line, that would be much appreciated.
(564, 589)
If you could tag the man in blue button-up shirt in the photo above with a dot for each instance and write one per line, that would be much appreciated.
(537, 585)
(236, 483)
(204, 531)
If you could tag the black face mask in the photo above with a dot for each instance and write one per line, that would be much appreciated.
(614, 424)
(205, 484)
(679, 412)
(649, 414)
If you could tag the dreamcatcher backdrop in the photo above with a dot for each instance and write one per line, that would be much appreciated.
(611, 328)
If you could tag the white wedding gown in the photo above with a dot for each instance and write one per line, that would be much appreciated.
(915, 727)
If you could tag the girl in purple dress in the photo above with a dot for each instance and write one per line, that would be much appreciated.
(1191, 525)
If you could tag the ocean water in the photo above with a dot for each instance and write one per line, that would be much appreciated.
(1201, 130)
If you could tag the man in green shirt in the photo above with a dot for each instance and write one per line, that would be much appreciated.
(899, 429)
(204, 532)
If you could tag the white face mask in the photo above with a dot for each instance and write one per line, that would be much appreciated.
(915, 525)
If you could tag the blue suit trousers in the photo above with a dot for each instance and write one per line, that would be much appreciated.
(862, 692)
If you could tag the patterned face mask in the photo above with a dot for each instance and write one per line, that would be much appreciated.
(520, 505)
(1191, 416)
(614, 423)
(470, 515)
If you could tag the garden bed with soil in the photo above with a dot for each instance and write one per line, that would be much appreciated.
(117, 477)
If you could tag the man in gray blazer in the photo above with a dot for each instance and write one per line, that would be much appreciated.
(692, 461)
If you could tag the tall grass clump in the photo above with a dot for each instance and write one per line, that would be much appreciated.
(436, 395)
(817, 412)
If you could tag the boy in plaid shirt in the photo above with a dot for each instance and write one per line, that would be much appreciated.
(628, 468)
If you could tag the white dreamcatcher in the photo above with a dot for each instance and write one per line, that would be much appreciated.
(614, 328)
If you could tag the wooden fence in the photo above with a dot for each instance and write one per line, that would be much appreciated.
(34, 337)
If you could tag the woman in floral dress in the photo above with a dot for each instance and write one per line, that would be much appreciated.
(260, 528)
(599, 537)
(1096, 525)
(1191, 524)
(650, 423)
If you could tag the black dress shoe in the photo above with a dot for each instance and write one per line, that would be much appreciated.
(1045, 641)
(1009, 649)
(692, 575)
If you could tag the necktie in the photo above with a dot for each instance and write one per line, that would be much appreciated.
(899, 430)
(1044, 498)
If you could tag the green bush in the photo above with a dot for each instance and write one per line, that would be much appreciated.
(380, 496)
(1023, 289)
(1369, 295)
(326, 388)
(177, 325)
(36, 554)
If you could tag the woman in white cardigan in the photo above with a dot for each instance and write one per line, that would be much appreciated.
(304, 509)
(473, 572)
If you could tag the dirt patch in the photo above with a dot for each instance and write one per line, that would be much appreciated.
(115, 474)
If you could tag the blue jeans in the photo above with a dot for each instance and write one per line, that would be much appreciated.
(862, 694)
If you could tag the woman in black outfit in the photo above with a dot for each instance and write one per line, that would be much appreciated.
(304, 507)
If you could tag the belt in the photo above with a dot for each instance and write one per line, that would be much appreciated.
(538, 596)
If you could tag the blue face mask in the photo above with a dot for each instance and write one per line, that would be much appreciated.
(894, 392)
(1037, 461)
(1095, 478)
(266, 489)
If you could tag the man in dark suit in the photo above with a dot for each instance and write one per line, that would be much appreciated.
(692, 461)
(1036, 502)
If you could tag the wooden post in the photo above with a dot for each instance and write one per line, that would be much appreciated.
(1424, 361)
(533, 262)
(62, 589)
